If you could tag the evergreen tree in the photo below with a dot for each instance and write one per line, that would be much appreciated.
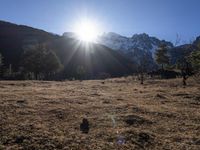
(185, 66)
(194, 59)
(41, 61)
(51, 64)
(161, 56)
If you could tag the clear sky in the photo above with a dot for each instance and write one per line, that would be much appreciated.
(161, 18)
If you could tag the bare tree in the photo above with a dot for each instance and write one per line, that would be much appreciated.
(178, 40)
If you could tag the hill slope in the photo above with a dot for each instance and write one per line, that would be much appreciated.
(95, 58)
(14, 37)
(135, 47)
(137, 41)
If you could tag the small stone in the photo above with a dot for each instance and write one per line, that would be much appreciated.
(19, 139)
(84, 126)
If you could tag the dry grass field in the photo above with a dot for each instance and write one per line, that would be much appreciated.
(122, 114)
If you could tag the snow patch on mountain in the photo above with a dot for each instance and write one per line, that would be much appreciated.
(136, 48)
(138, 41)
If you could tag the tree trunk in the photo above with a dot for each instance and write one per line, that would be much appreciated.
(184, 75)
(184, 80)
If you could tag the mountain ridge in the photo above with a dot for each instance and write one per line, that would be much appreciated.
(130, 51)
(135, 47)
(141, 41)
(14, 38)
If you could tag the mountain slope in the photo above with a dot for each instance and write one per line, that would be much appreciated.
(14, 37)
(95, 58)
(180, 52)
(138, 41)
(197, 42)
(135, 47)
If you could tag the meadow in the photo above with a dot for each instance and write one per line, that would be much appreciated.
(122, 114)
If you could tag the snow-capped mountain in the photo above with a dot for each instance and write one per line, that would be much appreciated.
(126, 44)
(138, 41)
(137, 47)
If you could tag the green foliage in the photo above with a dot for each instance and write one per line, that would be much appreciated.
(52, 62)
(194, 59)
(161, 55)
(184, 65)
(39, 60)
(181, 63)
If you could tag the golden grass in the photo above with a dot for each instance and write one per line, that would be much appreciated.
(161, 114)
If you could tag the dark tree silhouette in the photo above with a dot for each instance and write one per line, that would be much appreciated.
(41, 61)
(194, 59)
(186, 69)
(161, 56)
(142, 66)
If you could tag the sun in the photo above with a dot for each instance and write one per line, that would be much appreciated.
(87, 31)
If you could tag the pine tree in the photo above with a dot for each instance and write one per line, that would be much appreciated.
(161, 56)
(194, 59)
(40, 60)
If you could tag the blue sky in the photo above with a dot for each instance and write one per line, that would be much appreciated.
(161, 18)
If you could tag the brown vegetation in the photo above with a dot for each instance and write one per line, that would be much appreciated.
(122, 114)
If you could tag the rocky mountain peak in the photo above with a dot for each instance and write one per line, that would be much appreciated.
(197, 41)
(142, 41)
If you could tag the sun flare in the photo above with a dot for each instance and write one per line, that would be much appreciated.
(87, 31)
